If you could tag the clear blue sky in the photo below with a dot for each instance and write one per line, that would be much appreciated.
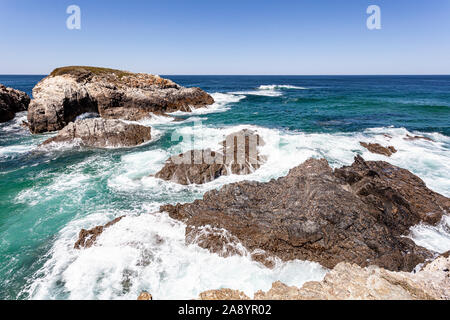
(227, 36)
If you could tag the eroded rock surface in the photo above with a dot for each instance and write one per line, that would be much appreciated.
(239, 155)
(87, 238)
(11, 102)
(354, 214)
(101, 133)
(71, 91)
(350, 282)
(377, 148)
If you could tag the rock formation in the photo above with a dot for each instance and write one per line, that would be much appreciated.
(377, 148)
(354, 214)
(412, 138)
(71, 91)
(11, 102)
(101, 133)
(350, 282)
(239, 155)
(145, 296)
(87, 238)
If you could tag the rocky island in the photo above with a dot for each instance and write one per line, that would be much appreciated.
(114, 94)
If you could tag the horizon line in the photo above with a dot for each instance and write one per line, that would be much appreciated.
(260, 75)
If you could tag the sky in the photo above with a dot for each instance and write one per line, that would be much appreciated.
(282, 37)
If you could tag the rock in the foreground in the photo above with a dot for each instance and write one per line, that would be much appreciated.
(101, 133)
(11, 102)
(351, 282)
(239, 155)
(355, 214)
(71, 91)
(377, 148)
(87, 238)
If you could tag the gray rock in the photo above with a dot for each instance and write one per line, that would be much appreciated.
(356, 214)
(101, 133)
(71, 91)
(11, 102)
(238, 155)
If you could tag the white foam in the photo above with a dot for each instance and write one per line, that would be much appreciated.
(15, 125)
(280, 86)
(264, 93)
(436, 238)
(148, 252)
(221, 104)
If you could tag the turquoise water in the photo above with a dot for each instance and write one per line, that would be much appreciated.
(48, 195)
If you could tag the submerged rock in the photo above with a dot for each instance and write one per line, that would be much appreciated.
(87, 238)
(71, 91)
(350, 282)
(11, 102)
(239, 155)
(377, 148)
(357, 214)
(101, 133)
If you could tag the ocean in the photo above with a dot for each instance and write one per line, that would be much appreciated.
(48, 195)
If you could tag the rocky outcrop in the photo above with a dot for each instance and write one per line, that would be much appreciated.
(87, 238)
(71, 91)
(11, 102)
(351, 282)
(145, 296)
(101, 133)
(355, 214)
(413, 138)
(377, 148)
(238, 155)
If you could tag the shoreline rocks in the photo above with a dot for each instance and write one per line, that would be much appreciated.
(71, 91)
(101, 133)
(239, 155)
(351, 282)
(356, 214)
(11, 102)
(377, 148)
(87, 238)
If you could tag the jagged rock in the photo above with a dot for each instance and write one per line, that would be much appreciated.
(377, 148)
(100, 133)
(412, 138)
(239, 155)
(87, 238)
(355, 214)
(223, 294)
(71, 91)
(145, 296)
(350, 282)
(11, 102)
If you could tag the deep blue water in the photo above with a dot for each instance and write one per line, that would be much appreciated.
(47, 196)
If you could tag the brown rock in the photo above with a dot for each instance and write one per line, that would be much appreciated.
(350, 282)
(145, 296)
(100, 133)
(354, 214)
(11, 102)
(409, 137)
(239, 155)
(223, 294)
(71, 91)
(377, 148)
(87, 238)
